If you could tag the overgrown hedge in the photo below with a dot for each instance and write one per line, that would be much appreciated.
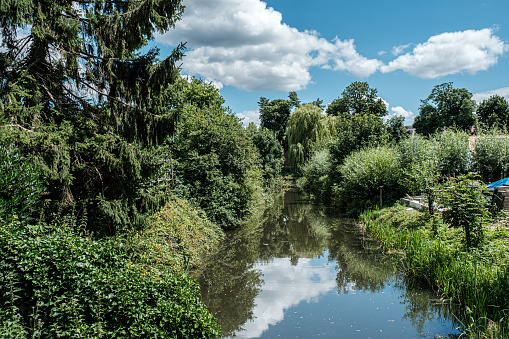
(62, 285)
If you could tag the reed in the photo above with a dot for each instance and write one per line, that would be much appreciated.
(478, 279)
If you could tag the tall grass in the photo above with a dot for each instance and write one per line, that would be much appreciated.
(478, 279)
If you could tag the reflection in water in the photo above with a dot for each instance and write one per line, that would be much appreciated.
(305, 274)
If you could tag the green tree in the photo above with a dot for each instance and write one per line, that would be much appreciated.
(270, 151)
(494, 112)
(467, 206)
(357, 99)
(302, 131)
(274, 114)
(84, 103)
(214, 160)
(446, 106)
(396, 129)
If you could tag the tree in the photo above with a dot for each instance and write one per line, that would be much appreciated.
(270, 151)
(302, 132)
(446, 106)
(396, 129)
(494, 112)
(78, 97)
(357, 99)
(274, 114)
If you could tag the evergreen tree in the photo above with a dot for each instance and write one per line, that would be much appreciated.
(79, 97)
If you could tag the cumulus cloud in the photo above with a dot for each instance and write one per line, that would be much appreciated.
(451, 53)
(245, 44)
(502, 92)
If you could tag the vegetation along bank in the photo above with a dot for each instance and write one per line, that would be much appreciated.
(118, 175)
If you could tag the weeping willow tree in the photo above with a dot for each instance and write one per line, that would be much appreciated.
(307, 129)
(78, 96)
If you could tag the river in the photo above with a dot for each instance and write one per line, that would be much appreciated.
(302, 273)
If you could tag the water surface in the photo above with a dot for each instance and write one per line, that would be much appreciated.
(305, 274)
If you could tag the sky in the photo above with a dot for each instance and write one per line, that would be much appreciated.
(250, 49)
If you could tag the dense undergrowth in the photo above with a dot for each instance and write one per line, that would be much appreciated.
(436, 254)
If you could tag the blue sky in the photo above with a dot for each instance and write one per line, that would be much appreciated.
(253, 48)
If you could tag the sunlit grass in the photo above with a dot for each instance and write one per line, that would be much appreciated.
(478, 279)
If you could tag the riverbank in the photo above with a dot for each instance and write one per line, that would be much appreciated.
(477, 279)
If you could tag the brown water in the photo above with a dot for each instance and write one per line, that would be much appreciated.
(302, 273)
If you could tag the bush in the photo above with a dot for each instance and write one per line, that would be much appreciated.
(81, 287)
(420, 163)
(316, 174)
(491, 156)
(21, 186)
(178, 237)
(363, 172)
(454, 152)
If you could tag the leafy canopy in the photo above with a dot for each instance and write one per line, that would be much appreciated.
(357, 99)
(446, 106)
(78, 96)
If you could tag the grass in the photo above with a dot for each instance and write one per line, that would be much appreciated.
(435, 254)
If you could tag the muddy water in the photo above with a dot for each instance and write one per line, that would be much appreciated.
(302, 273)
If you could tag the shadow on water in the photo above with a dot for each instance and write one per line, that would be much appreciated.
(302, 272)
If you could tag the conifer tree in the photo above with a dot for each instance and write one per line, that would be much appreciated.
(79, 96)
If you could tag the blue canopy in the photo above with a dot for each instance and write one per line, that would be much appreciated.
(501, 182)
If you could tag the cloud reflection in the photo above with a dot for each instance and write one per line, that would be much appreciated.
(287, 285)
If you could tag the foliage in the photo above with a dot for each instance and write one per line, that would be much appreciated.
(454, 152)
(81, 287)
(357, 99)
(396, 129)
(274, 114)
(363, 172)
(303, 131)
(420, 163)
(491, 156)
(21, 186)
(446, 106)
(465, 206)
(477, 279)
(178, 237)
(270, 151)
(316, 173)
(85, 104)
(356, 133)
(494, 112)
(215, 161)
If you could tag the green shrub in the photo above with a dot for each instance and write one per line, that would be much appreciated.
(86, 288)
(316, 174)
(491, 156)
(363, 172)
(178, 237)
(420, 163)
(454, 152)
(21, 185)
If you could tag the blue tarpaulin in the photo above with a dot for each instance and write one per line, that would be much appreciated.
(499, 183)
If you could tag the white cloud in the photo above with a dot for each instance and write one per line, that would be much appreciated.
(502, 92)
(450, 53)
(397, 50)
(245, 44)
(249, 116)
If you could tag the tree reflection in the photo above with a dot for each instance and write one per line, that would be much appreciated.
(293, 228)
(358, 267)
